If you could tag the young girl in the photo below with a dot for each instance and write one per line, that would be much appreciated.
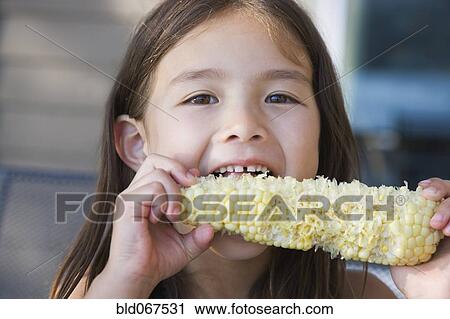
(208, 84)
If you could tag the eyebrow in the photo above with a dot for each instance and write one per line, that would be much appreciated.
(294, 75)
(212, 73)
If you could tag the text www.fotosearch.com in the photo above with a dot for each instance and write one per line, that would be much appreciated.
(177, 308)
(245, 309)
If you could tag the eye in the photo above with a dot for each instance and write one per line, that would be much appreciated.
(281, 99)
(202, 99)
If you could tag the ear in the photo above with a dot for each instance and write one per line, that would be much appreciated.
(130, 141)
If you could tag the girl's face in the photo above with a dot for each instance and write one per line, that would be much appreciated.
(228, 86)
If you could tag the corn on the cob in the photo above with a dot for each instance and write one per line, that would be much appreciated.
(405, 238)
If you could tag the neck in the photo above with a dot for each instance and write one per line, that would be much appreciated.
(212, 276)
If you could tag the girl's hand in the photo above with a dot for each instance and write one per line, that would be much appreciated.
(431, 279)
(144, 250)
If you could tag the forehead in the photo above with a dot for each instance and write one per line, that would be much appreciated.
(236, 43)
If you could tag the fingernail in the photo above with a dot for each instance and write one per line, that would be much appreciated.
(430, 191)
(176, 209)
(447, 230)
(205, 232)
(192, 173)
(425, 182)
(437, 219)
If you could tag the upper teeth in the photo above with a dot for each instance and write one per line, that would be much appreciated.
(240, 169)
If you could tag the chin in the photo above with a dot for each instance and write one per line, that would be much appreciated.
(234, 247)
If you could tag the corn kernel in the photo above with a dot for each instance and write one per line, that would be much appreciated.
(420, 241)
(407, 240)
(416, 230)
(409, 219)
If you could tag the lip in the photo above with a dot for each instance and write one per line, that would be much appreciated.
(246, 162)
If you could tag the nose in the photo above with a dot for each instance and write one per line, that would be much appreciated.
(242, 125)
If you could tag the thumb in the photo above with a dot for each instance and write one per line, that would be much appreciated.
(198, 240)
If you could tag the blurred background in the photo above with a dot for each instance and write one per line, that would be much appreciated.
(393, 58)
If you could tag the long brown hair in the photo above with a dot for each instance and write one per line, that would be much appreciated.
(291, 273)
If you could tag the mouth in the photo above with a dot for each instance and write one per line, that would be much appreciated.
(237, 170)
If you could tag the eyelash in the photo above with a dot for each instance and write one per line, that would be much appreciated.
(196, 96)
(294, 101)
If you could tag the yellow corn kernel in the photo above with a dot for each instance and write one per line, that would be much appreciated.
(407, 239)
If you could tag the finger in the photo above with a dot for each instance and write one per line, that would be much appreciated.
(197, 241)
(447, 230)
(156, 211)
(172, 195)
(145, 168)
(132, 207)
(165, 201)
(442, 216)
(182, 228)
(143, 197)
(435, 188)
(176, 170)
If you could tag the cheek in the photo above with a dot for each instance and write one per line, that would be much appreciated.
(298, 135)
(182, 138)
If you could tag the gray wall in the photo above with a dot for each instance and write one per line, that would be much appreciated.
(51, 104)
